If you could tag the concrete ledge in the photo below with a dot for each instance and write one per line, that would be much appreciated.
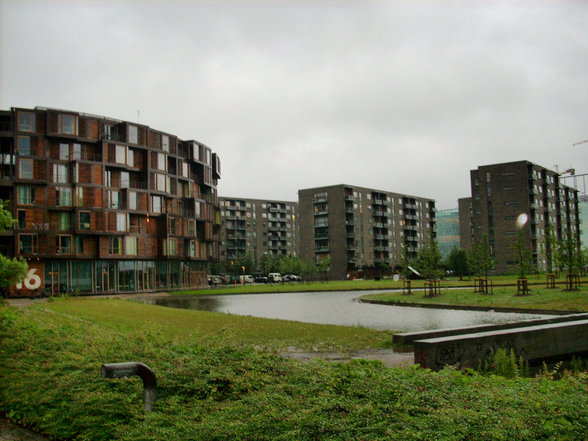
(408, 338)
(531, 343)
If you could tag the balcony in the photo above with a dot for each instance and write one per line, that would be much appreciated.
(322, 249)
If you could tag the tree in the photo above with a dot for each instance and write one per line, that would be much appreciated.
(569, 255)
(457, 261)
(12, 270)
(480, 259)
(291, 265)
(270, 263)
(522, 256)
(428, 261)
(307, 269)
(324, 266)
(405, 261)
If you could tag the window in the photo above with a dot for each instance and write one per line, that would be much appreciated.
(162, 161)
(124, 179)
(25, 243)
(64, 152)
(60, 174)
(25, 168)
(114, 199)
(68, 124)
(132, 196)
(161, 182)
(156, 204)
(121, 222)
(108, 178)
(191, 228)
(185, 170)
(22, 219)
(124, 155)
(114, 245)
(63, 222)
(63, 196)
(26, 121)
(79, 197)
(24, 145)
(26, 194)
(76, 151)
(165, 143)
(169, 247)
(63, 244)
(171, 226)
(133, 134)
(84, 220)
(131, 245)
(79, 245)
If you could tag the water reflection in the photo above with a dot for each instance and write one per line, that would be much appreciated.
(337, 308)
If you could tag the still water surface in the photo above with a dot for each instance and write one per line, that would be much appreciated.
(337, 308)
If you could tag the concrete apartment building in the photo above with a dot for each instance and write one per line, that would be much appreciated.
(360, 227)
(104, 205)
(502, 192)
(259, 227)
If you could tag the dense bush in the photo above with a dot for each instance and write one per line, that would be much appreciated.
(50, 370)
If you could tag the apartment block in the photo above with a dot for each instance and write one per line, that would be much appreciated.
(361, 228)
(502, 192)
(259, 227)
(104, 205)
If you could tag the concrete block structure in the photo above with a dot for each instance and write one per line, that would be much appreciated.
(106, 206)
(258, 227)
(502, 192)
(360, 228)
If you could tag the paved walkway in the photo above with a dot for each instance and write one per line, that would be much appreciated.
(12, 432)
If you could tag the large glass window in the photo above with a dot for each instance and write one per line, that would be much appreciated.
(114, 200)
(132, 195)
(25, 243)
(26, 121)
(79, 197)
(156, 204)
(22, 219)
(60, 174)
(76, 151)
(115, 245)
(121, 222)
(68, 124)
(161, 182)
(24, 145)
(133, 134)
(64, 244)
(131, 245)
(63, 221)
(64, 152)
(121, 154)
(63, 196)
(79, 245)
(26, 194)
(124, 179)
(165, 143)
(85, 220)
(162, 161)
(25, 168)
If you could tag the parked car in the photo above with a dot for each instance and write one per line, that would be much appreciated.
(260, 278)
(291, 278)
(215, 280)
(247, 278)
(274, 277)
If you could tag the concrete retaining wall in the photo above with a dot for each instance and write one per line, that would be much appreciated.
(531, 342)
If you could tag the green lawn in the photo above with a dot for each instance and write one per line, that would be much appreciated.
(215, 385)
(540, 298)
(353, 285)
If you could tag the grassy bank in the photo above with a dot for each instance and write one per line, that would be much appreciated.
(215, 388)
(540, 298)
(357, 285)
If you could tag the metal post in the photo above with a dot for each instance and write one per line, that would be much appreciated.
(120, 370)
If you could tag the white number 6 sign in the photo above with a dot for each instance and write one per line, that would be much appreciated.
(31, 281)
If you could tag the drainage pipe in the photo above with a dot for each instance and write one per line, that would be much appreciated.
(120, 370)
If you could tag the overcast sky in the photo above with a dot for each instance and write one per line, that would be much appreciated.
(403, 96)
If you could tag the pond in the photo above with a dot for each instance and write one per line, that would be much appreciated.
(337, 308)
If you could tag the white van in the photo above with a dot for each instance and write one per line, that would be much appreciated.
(274, 277)
(247, 278)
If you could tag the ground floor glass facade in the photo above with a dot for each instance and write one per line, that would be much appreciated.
(123, 276)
